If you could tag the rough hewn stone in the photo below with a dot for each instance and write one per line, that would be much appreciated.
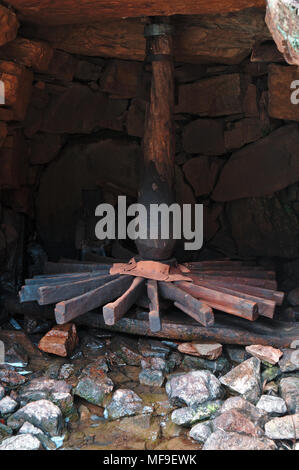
(34, 54)
(153, 378)
(7, 405)
(289, 390)
(255, 415)
(242, 132)
(215, 96)
(8, 25)
(293, 296)
(221, 440)
(61, 340)
(270, 227)
(42, 414)
(121, 78)
(286, 427)
(290, 360)
(21, 442)
(44, 148)
(188, 415)
(264, 353)
(235, 421)
(94, 389)
(247, 175)
(193, 388)
(123, 403)
(79, 110)
(200, 432)
(283, 22)
(195, 168)
(274, 406)
(11, 378)
(135, 118)
(204, 136)
(245, 380)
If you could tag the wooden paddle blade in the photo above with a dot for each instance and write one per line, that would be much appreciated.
(154, 313)
(114, 311)
(200, 311)
(67, 290)
(73, 308)
(222, 301)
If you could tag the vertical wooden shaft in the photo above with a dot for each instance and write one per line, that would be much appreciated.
(157, 182)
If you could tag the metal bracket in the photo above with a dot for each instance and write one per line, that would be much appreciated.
(157, 29)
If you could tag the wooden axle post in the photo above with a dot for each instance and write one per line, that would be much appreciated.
(157, 181)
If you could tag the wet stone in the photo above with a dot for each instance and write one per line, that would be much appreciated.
(94, 389)
(290, 360)
(188, 415)
(11, 378)
(274, 406)
(174, 360)
(257, 416)
(16, 356)
(245, 380)
(127, 350)
(65, 371)
(28, 428)
(200, 432)
(265, 353)
(193, 388)
(2, 392)
(221, 440)
(42, 414)
(289, 390)
(153, 348)
(236, 354)
(286, 427)
(235, 421)
(124, 403)
(21, 442)
(211, 351)
(152, 378)
(65, 402)
(42, 388)
(5, 431)
(46, 442)
(154, 363)
(7, 405)
(221, 366)
(52, 372)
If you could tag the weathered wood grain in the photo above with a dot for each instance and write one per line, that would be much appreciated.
(199, 311)
(78, 11)
(73, 308)
(114, 311)
(154, 307)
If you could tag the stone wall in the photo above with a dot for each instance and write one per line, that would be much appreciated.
(73, 122)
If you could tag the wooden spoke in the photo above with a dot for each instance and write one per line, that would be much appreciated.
(73, 308)
(222, 301)
(154, 313)
(200, 311)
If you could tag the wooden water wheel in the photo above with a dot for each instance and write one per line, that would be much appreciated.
(234, 287)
